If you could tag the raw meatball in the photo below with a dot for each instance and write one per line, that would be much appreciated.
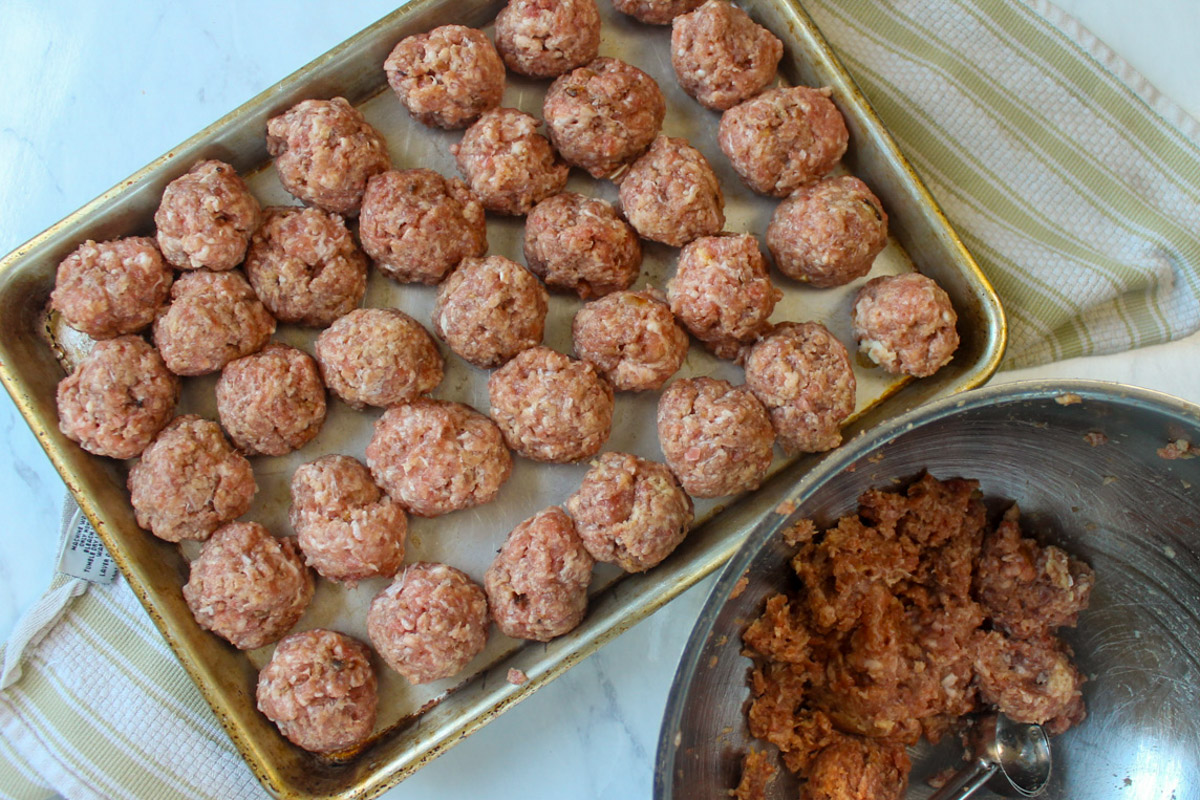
(1030, 680)
(325, 151)
(272, 402)
(321, 691)
(490, 309)
(247, 586)
(717, 437)
(828, 232)
(378, 357)
(721, 56)
(671, 194)
(783, 138)
(508, 164)
(429, 623)
(545, 38)
(655, 12)
(111, 288)
(537, 584)
(446, 77)
(721, 292)
(305, 266)
(857, 768)
(436, 456)
(190, 481)
(905, 324)
(213, 318)
(603, 115)
(582, 245)
(417, 225)
(551, 407)
(803, 375)
(206, 218)
(630, 512)
(346, 526)
(118, 398)
(631, 338)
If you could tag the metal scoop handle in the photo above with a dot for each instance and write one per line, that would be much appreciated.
(967, 780)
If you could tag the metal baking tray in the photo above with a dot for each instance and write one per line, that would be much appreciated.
(418, 723)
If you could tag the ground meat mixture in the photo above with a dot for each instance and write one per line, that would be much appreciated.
(551, 407)
(437, 456)
(537, 585)
(446, 77)
(630, 512)
(213, 318)
(320, 689)
(118, 398)
(490, 309)
(783, 138)
(111, 288)
(828, 232)
(1030, 680)
(603, 115)
(671, 194)
(721, 56)
(325, 151)
(417, 225)
(378, 357)
(582, 245)
(429, 623)
(655, 12)
(905, 324)
(631, 338)
(206, 218)
(803, 375)
(508, 164)
(247, 586)
(757, 774)
(305, 266)
(190, 481)
(721, 292)
(271, 402)
(545, 38)
(854, 768)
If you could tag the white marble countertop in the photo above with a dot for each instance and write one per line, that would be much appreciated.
(92, 92)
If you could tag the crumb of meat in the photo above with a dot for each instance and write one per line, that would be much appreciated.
(516, 677)
(1068, 399)
(739, 587)
(785, 508)
(757, 774)
(1095, 438)
(1180, 448)
(800, 533)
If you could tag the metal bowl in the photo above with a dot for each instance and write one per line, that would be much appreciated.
(1114, 500)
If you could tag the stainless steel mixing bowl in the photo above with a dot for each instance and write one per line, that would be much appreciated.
(1083, 461)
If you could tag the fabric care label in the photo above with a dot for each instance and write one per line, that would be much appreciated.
(84, 554)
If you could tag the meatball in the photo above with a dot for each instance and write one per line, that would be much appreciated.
(545, 38)
(508, 164)
(717, 437)
(582, 245)
(603, 115)
(490, 309)
(437, 456)
(429, 623)
(320, 689)
(631, 338)
(417, 225)
(247, 586)
(271, 402)
(671, 194)
(905, 324)
(721, 292)
(190, 481)
(111, 288)
(378, 357)
(537, 584)
(784, 138)
(855, 768)
(446, 77)
(305, 266)
(1030, 680)
(206, 218)
(721, 56)
(655, 12)
(213, 318)
(630, 512)
(551, 407)
(347, 528)
(803, 375)
(118, 398)
(325, 151)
